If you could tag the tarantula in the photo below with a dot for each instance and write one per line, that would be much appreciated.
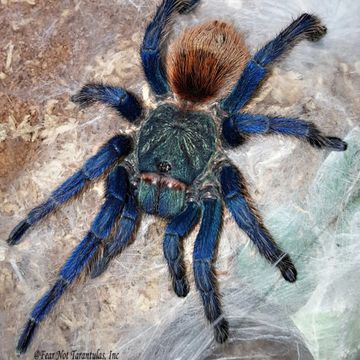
(175, 166)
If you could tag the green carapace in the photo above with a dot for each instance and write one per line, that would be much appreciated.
(174, 148)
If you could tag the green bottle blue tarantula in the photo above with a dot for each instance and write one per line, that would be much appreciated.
(175, 166)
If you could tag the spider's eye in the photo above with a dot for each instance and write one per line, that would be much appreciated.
(163, 166)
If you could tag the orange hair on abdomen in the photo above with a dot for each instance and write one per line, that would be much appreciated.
(205, 61)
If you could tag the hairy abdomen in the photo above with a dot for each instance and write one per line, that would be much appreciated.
(205, 61)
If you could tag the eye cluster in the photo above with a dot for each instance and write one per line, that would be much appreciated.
(163, 166)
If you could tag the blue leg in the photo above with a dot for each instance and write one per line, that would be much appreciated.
(155, 35)
(121, 100)
(176, 229)
(204, 256)
(245, 123)
(115, 148)
(115, 246)
(305, 27)
(83, 254)
(238, 202)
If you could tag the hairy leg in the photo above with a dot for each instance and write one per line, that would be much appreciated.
(122, 238)
(112, 151)
(155, 36)
(204, 256)
(118, 98)
(305, 27)
(176, 229)
(83, 254)
(234, 128)
(238, 202)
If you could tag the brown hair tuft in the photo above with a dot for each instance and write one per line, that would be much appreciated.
(206, 61)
